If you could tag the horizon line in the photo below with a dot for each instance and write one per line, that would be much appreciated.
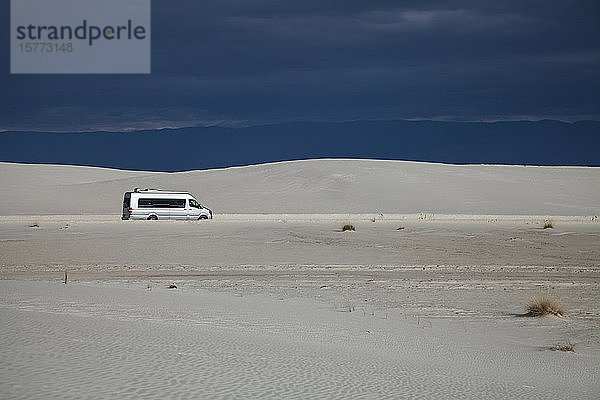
(235, 126)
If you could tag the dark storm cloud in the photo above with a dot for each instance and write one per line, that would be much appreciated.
(256, 61)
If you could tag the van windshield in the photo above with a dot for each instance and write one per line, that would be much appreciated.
(194, 203)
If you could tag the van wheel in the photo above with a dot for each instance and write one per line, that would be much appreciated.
(152, 217)
(203, 217)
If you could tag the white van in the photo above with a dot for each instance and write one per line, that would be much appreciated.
(162, 204)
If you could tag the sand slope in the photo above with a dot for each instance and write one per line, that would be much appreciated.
(313, 186)
(110, 341)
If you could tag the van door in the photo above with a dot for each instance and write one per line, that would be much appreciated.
(126, 205)
(193, 209)
(158, 207)
(178, 208)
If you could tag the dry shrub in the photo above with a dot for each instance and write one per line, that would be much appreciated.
(543, 305)
(346, 307)
(35, 225)
(348, 227)
(548, 224)
(568, 346)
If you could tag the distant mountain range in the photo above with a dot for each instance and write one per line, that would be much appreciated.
(520, 142)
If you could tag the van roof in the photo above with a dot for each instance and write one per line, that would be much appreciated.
(149, 190)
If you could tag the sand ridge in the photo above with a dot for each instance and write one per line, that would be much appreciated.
(323, 186)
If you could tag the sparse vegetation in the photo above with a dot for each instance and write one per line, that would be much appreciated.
(172, 286)
(347, 307)
(548, 224)
(400, 228)
(568, 346)
(348, 227)
(543, 305)
(35, 225)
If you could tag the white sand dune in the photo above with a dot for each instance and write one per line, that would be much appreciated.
(314, 186)
(274, 301)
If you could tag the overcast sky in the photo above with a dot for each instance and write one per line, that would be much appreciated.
(249, 62)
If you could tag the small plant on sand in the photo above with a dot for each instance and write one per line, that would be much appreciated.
(348, 227)
(568, 346)
(347, 307)
(548, 224)
(543, 305)
(35, 225)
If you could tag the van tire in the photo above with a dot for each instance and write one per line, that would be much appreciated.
(152, 217)
(202, 217)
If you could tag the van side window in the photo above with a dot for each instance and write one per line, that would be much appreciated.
(194, 203)
(177, 203)
(145, 203)
(161, 203)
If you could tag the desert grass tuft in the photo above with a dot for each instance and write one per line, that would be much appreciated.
(548, 224)
(35, 225)
(544, 305)
(347, 307)
(348, 227)
(568, 346)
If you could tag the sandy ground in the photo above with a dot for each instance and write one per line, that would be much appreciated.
(426, 299)
(284, 308)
